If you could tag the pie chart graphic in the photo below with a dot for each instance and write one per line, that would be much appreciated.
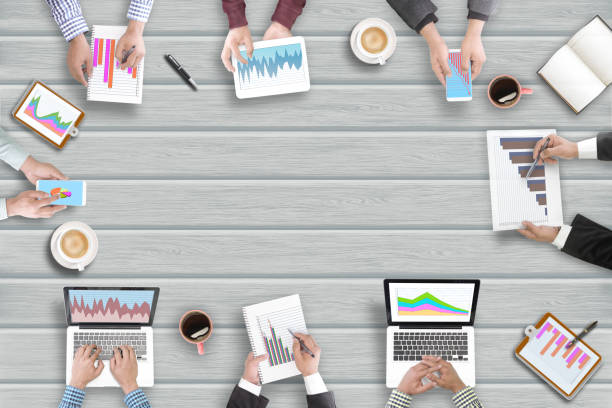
(64, 193)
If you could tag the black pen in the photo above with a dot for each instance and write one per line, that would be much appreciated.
(175, 64)
(302, 345)
(126, 54)
(582, 334)
(538, 158)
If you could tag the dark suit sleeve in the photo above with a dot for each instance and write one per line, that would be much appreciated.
(322, 400)
(590, 242)
(416, 13)
(241, 398)
(604, 146)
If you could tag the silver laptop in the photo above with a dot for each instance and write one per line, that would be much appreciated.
(111, 317)
(430, 317)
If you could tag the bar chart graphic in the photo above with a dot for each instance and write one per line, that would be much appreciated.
(275, 328)
(278, 352)
(514, 197)
(548, 351)
(108, 81)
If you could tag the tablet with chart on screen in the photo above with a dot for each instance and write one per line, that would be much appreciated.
(276, 67)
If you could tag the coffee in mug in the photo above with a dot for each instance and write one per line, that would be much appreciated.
(74, 244)
(374, 40)
(505, 91)
(196, 327)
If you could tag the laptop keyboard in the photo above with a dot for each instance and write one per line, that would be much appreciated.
(451, 346)
(109, 340)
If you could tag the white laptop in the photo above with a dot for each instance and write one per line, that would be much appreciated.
(430, 317)
(111, 317)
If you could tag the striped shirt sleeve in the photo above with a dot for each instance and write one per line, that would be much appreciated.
(398, 399)
(73, 398)
(466, 398)
(68, 16)
(137, 399)
(139, 10)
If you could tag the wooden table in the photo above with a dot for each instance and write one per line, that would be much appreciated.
(224, 203)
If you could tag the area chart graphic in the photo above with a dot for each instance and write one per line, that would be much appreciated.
(52, 121)
(108, 306)
(427, 305)
(271, 66)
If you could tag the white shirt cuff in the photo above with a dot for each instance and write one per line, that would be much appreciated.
(561, 237)
(250, 387)
(587, 149)
(3, 214)
(314, 384)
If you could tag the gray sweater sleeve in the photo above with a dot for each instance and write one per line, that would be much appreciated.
(481, 9)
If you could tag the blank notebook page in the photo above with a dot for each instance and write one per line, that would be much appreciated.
(593, 44)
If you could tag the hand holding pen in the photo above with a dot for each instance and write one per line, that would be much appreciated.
(306, 352)
(558, 147)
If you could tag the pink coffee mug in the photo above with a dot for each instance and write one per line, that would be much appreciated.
(504, 85)
(192, 322)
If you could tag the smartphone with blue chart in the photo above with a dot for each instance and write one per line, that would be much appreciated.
(71, 192)
(459, 84)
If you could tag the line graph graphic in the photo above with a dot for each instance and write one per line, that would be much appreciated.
(427, 305)
(110, 306)
(459, 84)
(271, 66)
(52, 121)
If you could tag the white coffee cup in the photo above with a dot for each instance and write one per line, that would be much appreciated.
(69, 261)
(381, 55)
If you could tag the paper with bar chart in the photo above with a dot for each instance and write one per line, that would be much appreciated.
(267, 325)
(547, 352)
(109, 83)
(514, 198)
(47, 113)
(276, 67)
(431, 302)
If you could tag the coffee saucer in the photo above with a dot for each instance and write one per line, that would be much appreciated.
(368, 22)
(91, 253)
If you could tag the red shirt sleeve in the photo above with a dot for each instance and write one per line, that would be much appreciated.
(287, 11)
(235, 13)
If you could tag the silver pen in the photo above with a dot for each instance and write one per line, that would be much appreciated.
(533, 165)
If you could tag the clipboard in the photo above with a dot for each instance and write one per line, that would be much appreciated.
(543, 351)
(48, 114)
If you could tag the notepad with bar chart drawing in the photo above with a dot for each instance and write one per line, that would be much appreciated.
(268, 326)
(109, 83)
(514, 197)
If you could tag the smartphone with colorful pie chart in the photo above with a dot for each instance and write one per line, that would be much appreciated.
(71, 192)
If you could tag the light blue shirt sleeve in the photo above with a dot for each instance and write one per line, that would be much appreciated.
(13, 155)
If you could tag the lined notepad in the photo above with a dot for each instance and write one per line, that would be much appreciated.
(109, 83)
(267, 324)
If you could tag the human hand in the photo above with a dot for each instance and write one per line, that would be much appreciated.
(306, 364)
(438, 52)
(448, 378)
(540, 233)
(124, 367)
(235, 37)
(412, 381)
(132, 36)
(472, 49)
(79, 54)
(251, 366)
(35, 170)
(275, 31)
(84, 368)
(557, 146)
(33, 204)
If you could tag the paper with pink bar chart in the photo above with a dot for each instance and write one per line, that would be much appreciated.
(548, 353)
(109, 83)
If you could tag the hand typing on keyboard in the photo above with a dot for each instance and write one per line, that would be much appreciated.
(84, 369)
(412, 382)
(448, 378)
(108, 341)
(124, 367)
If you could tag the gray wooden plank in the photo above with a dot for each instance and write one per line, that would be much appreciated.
(536, 395)
(302, 203)
(281, 155)
(330, 60)
(343, 254)
(319, 16)
(324, 106)
(177, 361)
(361, 299)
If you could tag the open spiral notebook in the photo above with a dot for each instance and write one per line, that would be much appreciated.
(268, 326)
